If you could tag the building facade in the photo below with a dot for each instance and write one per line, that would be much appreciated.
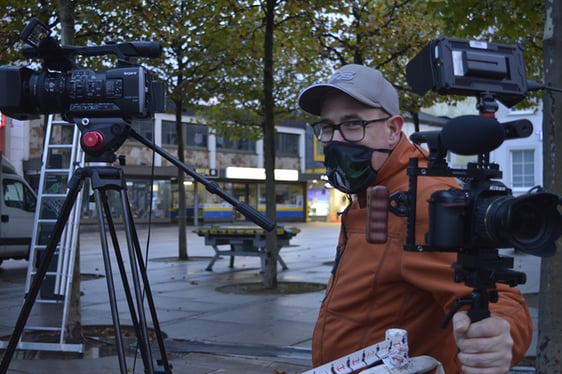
(236, 166)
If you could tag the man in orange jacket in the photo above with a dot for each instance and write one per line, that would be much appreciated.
(375, 287)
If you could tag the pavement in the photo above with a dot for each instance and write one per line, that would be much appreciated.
(206, 331)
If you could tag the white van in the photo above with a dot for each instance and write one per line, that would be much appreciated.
(17, 213)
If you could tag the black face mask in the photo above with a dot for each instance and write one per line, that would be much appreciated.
(349, 166)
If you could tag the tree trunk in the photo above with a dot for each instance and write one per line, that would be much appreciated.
(66, 15)
(549, 345)
(182, 240)
(270, 272)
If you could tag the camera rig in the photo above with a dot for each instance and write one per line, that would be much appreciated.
(482, 216)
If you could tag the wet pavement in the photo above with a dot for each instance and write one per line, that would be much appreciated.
(205, 331)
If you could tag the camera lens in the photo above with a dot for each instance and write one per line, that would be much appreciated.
(527, 223)
(530, 222)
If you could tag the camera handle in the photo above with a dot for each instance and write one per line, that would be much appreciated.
(482, 269)
(478, 302)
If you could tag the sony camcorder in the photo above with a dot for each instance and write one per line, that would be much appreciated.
(128, 91)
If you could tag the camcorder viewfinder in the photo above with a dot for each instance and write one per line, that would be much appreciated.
(127, 91)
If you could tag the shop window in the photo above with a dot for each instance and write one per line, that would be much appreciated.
(196, 135)
(237, 145)
(169, 134)
(287, 144)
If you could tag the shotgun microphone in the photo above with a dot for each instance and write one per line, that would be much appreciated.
(472, 135)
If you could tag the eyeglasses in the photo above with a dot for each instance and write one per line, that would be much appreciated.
(351, 131)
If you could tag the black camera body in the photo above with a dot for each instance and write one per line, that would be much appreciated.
(458, 216)
(487, 215)
(126, 91)
(483, 215)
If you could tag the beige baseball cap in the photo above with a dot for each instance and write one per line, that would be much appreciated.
(361, 82)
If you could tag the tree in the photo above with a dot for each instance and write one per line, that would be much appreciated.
(549, 344)
(256, 86)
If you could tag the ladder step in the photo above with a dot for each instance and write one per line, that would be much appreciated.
(50, 301)
(42, 328)
(60, 146)
(47, 220)
(49, 273)
(51, 347)
(53, 195)
(58, 171)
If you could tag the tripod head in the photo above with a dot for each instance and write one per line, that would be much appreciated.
(102, 137)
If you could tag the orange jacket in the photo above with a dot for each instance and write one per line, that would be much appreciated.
(375, 287)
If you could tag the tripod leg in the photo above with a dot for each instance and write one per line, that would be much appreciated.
(99, 196)
(148, 293)
(116, 182)
(137, 310)
(120, 264)
(74, 186)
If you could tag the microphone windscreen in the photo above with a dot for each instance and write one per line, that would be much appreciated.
(472, 135)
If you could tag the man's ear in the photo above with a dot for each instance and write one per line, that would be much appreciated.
(394, 125)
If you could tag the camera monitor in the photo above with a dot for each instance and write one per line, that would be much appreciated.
(469, 68)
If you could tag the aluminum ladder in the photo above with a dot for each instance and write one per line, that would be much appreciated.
(62, 154)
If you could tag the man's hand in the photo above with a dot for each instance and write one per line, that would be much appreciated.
(485, 346)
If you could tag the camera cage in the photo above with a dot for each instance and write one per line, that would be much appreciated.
(490, 72)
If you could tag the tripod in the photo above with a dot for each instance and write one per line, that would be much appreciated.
(100, 139)
(104, 179)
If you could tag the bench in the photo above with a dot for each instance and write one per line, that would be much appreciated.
(243, 241)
